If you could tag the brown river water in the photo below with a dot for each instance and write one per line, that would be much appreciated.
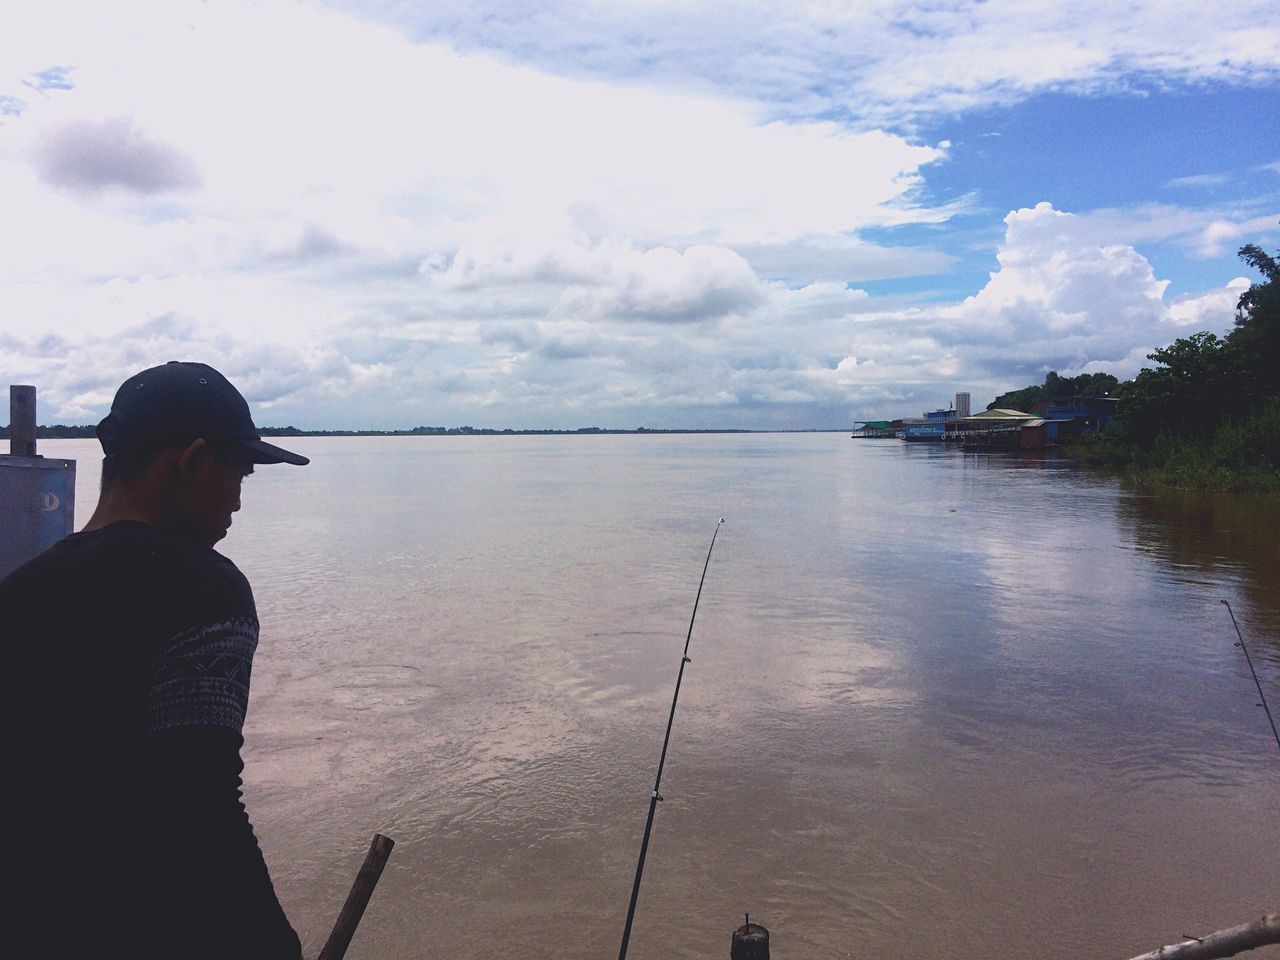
(940, 704)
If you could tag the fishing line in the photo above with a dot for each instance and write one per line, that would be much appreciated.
(655, 796)
(1258, 683)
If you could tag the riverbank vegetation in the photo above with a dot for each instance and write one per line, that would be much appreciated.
(1056, 388)
(1208, 415)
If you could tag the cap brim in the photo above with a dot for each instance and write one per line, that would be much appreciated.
(263, 452)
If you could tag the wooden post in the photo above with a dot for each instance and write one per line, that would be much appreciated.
(358, 898)
(750, 942)
(1223, 943)
(22, 420)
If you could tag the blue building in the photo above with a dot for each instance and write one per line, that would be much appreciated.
(1094, 413)
(932, 427)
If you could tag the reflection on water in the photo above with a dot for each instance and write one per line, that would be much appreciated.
(1196, 535)
(939, 705)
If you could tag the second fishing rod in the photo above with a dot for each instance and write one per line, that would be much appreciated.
(655, 796)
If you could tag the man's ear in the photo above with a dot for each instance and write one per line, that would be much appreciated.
(192, 457)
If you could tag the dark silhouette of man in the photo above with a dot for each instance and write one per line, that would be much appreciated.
(130, 645)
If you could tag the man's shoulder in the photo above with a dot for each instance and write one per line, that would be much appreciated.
(196, 573)
(133, 556)
(131, 542)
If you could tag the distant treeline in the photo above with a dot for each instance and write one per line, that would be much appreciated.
(1209, 414)
(475, 432)
(59, 431)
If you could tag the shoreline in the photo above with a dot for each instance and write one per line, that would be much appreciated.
(87, 432)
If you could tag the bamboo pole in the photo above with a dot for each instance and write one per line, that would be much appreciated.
(1222, 943)
(358, 898)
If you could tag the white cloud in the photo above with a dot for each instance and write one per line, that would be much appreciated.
(381, 143)
(1047, 271)
(1222, 235)
(77, 378)
(842, 258)
(880, 61)
(1060, 300)
(607, 281)
(665, 285)
(1215, 236)
(1205, 232)
(1207, 311)
(1199, 180)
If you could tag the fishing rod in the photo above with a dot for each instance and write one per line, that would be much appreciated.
(1258, 683)
(654, 797)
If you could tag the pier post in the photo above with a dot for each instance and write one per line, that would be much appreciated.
(22, 420)
(750, 942)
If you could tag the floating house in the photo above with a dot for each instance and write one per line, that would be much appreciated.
(933, 427)
(998, 429)
(1053, 423)
(875, 429)
(1049, 424)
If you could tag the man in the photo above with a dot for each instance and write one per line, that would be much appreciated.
(130, 646)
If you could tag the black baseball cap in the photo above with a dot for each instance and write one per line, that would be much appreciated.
(177, 402)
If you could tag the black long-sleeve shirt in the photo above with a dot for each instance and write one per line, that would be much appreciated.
(130, 651)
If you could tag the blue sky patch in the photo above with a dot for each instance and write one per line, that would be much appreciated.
(51, 78)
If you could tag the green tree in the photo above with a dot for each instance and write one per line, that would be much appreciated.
(1185, 397)
(1256, 337)
(1023, 399)
(1056, 387)
(1203, 381)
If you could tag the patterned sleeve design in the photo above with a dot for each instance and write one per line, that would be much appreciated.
(201, 677)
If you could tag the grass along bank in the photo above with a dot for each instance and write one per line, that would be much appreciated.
(1240, 454)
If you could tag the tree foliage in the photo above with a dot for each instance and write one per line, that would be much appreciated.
(1256, 336)
(1056, 387)
(1204, 381)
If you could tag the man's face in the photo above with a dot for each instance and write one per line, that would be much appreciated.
(212, 494)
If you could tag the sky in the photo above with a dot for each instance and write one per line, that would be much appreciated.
(384, 214)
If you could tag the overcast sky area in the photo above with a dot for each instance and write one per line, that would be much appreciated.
(373, 213)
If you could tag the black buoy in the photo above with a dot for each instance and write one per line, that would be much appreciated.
(750, 942)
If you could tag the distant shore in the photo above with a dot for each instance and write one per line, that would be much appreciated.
(87, 432)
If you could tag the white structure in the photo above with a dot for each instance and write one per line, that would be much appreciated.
(962, 405)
